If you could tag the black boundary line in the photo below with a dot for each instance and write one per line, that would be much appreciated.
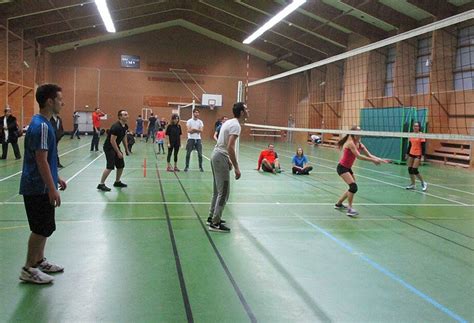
(396, 210)
(243, 301)
(179, 269)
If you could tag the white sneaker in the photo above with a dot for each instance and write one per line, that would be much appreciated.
(35, 276)
(410, 187)
(352, 212)
(47, 267)
(424, 186)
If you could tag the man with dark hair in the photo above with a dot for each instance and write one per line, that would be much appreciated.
(39, 183)
(113, 154)
(195, 127)
(75, 121)
(268, 160)
(151, 128)
(96, 115)
(222, 160)
(9, 133)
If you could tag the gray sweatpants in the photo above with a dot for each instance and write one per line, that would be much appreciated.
(220, 171)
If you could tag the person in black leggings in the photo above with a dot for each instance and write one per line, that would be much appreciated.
(173, 131)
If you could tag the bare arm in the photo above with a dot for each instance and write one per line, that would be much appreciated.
(125, 145)
(215, 136)
(232, 155)
(113, 142)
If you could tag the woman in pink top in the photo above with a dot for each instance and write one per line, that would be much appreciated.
(351, 150)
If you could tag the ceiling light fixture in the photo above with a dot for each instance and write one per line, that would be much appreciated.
(276, 19)
(105, 15)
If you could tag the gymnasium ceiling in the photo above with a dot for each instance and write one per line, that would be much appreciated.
(318, 29)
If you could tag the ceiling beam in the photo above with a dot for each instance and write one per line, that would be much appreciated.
(384, 13)
(301, 22)
(336, 16)
(436, 8)
(245, 20)
(219, 26)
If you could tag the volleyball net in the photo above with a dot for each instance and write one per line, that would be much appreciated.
(425, 75)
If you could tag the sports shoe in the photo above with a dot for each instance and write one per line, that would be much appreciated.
(209, 221)
(424, 186)
(169, 169)
(410, 187)
(120, 184)
(48, 267)
(340, 206)
(219, 228)
(186, 168)
(201, 169)
(176, 169)
(35, 276)
(103, 188)
(352, 212)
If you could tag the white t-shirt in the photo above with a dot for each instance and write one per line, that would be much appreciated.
(230, 127)
(315, 137)
(194, 124)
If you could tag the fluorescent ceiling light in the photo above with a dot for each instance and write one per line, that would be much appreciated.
(276, 19)
(105, 15)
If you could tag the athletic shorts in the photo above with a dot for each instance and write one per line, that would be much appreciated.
(40, 214)
(266, 169)
(113, 160)
(341, 170)
(414, 156)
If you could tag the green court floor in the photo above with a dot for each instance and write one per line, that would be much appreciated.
(144, 254)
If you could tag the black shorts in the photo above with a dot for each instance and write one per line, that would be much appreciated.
(414, 156)
(113, 160)
(40, 214)
(341, 170)
(266, 169)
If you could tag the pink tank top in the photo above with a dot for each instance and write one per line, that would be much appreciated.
(348, 158)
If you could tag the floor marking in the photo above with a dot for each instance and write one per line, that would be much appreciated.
(388, 183)
(386, 272)
(83, 168)
(244, 203)
(18, 173)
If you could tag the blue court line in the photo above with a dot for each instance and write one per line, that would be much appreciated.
(388, 273)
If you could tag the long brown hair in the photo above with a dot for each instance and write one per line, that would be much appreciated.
(342, 141)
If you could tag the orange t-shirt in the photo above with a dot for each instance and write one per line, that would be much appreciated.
(415, 149)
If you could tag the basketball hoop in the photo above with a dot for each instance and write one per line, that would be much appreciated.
(212, 104)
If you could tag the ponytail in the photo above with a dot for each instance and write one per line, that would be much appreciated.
(342, 141)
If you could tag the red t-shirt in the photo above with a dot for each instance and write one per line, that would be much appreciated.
(96, 118)
(268, 155)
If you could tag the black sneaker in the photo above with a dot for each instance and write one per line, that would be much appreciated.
(219, 228)
(340, 206)
(103, 188)
(209, 221)
(120, 184)
(60, 166)
(186, 169)
(201, 169)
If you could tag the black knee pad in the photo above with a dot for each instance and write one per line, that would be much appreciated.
(353, 188)
(415, 171)
(410, 170)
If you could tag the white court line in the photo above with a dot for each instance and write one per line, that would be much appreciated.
(83, 168)
(380, 181)
(398, 176)
(245, 203)
(393, 175)
(18, 173)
